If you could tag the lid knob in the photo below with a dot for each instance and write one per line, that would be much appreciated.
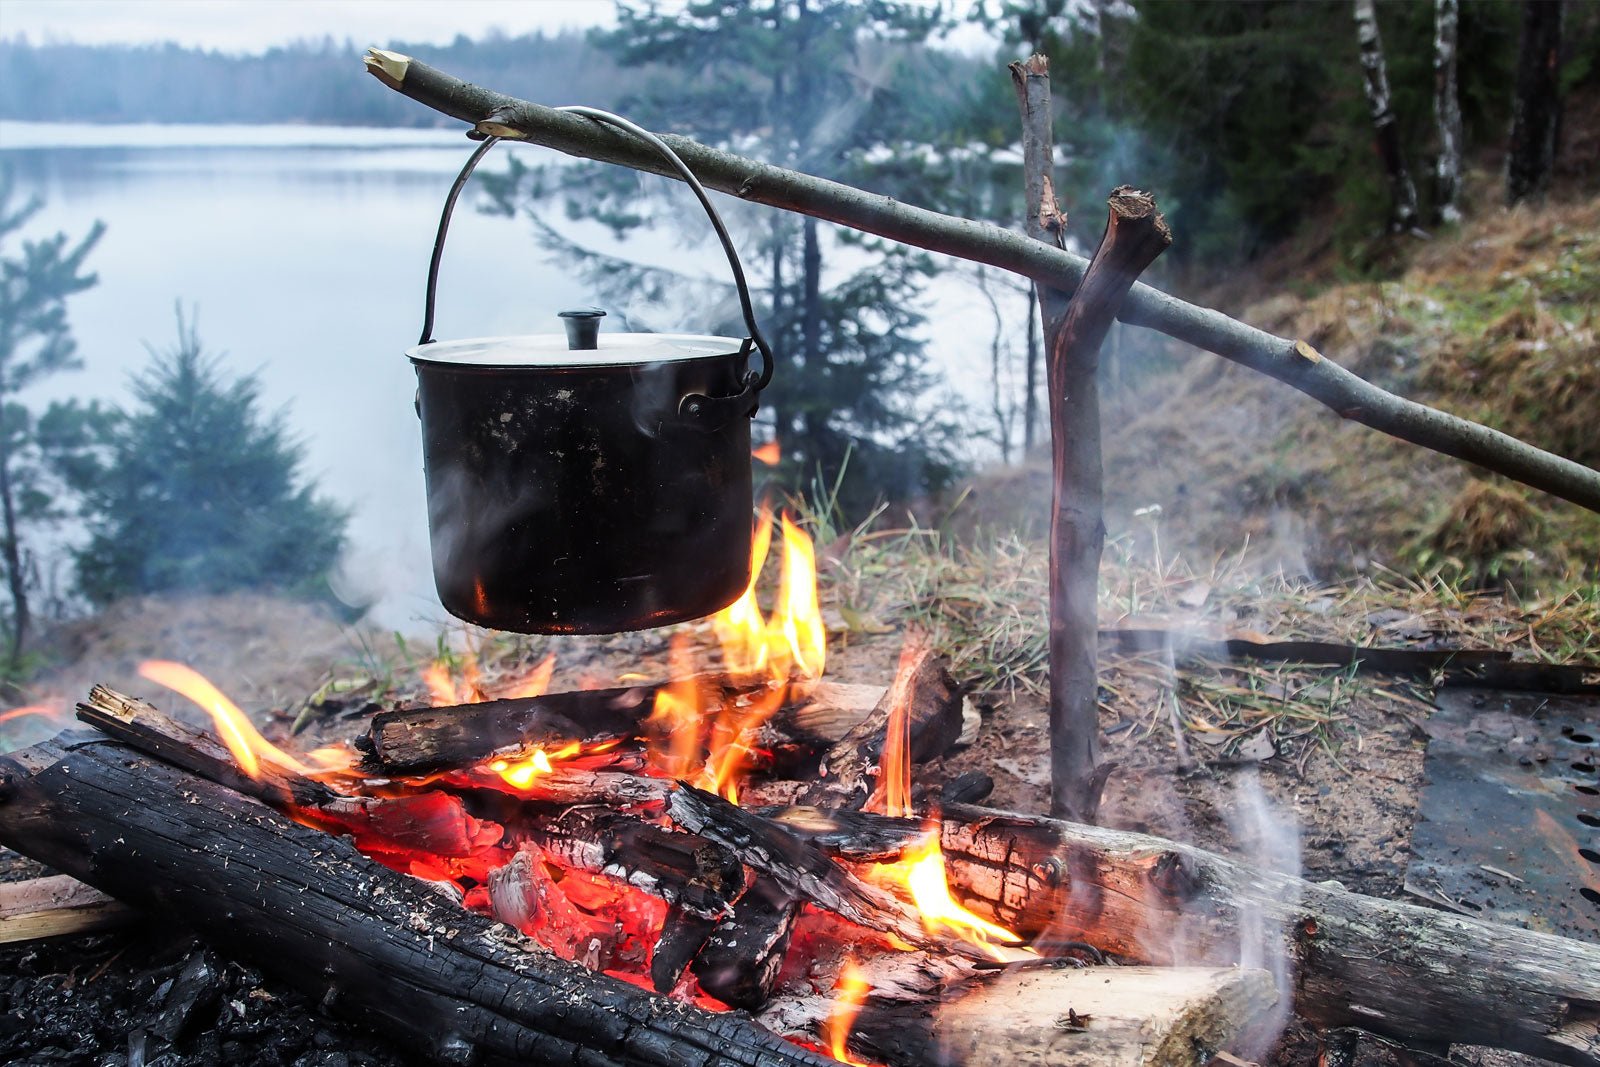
(583, 328)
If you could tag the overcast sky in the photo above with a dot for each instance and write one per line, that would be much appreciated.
(254, 25)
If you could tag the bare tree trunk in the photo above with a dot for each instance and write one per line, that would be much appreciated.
(1536, 108)
(1030, 403)
(811, 336)
(1402, 193)
(1447, 108)
(10, 539)
(1002, 410)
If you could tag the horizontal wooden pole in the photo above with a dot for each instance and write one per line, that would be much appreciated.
(1291, 361)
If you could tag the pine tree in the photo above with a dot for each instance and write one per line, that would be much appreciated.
(196, 491)
(821, 87)
(35, 343)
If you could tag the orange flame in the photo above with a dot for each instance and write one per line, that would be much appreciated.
(799, 615)
(674, 725)
(49, 711)
(739, 627)
(793, 639)
(852, 989)
(768, 453)
(444, 691)
(732, 736)
(520, 774)
(892, 795)
(441, 687)
(249, 748)
(536, 684)
(921, 870)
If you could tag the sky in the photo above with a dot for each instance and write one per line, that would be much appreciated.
(255, 25)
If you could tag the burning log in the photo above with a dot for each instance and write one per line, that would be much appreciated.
(417, 741)
(368, 940)
(1405, 972)
(932, 704)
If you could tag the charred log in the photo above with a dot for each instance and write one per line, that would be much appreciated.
(367, 940)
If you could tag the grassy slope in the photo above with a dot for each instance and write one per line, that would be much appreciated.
(1496, 323)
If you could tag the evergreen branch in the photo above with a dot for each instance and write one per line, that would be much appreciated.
(1291, 361)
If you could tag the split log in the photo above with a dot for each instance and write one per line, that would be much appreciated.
(1089, 1017)
(1407, 973)
(849, 771)
(1292, 362)
(371, 942)
(54, 906)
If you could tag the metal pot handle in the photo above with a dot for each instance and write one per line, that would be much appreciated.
(709, 412)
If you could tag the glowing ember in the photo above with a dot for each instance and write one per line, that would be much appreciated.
(249, 748)
(852, 989)
(768, 453)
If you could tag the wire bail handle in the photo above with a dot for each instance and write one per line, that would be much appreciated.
(709, 410)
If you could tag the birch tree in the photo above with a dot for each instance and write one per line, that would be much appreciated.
(1402, 192)
(1447, 108)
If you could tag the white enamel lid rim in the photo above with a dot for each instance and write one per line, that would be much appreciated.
(550, 350)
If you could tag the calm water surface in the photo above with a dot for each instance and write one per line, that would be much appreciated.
(305, 251)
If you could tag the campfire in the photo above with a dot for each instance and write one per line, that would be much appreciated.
(734, 864)
(697, 837)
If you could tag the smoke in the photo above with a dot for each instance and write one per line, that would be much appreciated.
(1270, 839)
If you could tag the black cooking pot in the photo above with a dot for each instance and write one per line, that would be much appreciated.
(588, 482)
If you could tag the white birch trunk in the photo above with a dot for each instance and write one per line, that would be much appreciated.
(1402, 192)
(1447, 108)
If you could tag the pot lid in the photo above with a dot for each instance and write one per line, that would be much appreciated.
(582, 346)
(550, 350)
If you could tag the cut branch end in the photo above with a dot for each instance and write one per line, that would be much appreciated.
(388, 67)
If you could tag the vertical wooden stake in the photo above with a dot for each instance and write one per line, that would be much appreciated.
(1074, 330)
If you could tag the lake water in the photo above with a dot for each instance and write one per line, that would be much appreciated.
(305, 251)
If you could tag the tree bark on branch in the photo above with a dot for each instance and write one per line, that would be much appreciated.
(1290, 361)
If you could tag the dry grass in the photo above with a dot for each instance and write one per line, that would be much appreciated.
(984, 602)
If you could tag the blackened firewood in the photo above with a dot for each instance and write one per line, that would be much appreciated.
(415, 741)
(973, 787)
(849, 834)
(682, 936)
(699, 876)
(741, 961)
(324, 918)
(146, 728)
